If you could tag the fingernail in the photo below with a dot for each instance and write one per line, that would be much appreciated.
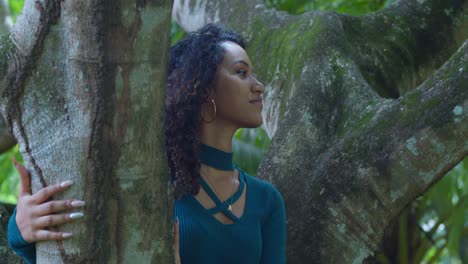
(66, 184)
(78, 203)
(67, 235)
(75, 215)
(177, 220)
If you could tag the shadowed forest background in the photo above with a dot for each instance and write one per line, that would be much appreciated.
(432, 229)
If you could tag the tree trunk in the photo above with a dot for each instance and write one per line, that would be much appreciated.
(365, 113)
(82, 86)
(7, 141)
(6, 255)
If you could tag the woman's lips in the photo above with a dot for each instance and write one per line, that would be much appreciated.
(257, 101)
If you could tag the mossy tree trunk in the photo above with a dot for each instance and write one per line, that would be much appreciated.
(6, 139)
(82, 87)
(365, 113)
(6, 255)
(6, 142)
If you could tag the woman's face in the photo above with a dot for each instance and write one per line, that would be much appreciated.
(237, 93)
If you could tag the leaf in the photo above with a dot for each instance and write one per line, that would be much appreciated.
(15, 7)
(9, 177)
(249, 146)
(456, 227)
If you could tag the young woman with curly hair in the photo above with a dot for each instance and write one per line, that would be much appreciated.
(223, 215)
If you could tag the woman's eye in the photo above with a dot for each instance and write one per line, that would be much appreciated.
(242, 73)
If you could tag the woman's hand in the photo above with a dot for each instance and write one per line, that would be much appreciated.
(176, 241)
(35, 213)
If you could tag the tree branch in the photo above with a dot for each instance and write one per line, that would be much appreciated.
(400, 46)
(408, 145)
(193, 14)
(357, 182)
(422, 134)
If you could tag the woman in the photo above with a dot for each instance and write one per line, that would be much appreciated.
(224, 215)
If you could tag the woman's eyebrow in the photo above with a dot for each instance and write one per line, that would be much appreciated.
(242, 61)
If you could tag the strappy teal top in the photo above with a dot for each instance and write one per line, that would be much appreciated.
(258, 236)
(224, 206)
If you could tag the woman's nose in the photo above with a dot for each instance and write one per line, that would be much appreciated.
(258, 86)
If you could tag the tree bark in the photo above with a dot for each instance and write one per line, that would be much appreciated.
(365, 113)
(6, 255)
(7, 141)
(82, 86)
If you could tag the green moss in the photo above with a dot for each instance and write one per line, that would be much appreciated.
(365, 119)
(431, 103)
(411, 98)
(353, 125)
(284, 53)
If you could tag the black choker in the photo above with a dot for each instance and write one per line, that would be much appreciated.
(216, 158)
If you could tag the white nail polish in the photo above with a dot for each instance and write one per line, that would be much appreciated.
(78, 203)
(67, 235)
(75, 215)
(66, 184)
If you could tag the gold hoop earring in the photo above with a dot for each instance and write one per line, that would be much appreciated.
(214, 117)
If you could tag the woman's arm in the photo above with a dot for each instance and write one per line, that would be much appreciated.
(17, 243)
(274, 231)
(35, 213)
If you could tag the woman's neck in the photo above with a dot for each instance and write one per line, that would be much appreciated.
(216, 176)
(217, 136)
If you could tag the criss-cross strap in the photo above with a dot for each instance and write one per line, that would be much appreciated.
(223, 206)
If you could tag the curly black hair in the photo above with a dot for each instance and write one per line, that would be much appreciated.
(192, 71)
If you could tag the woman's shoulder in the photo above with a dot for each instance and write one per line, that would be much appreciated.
(261, 187)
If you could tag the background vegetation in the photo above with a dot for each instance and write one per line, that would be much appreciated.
(433, 229)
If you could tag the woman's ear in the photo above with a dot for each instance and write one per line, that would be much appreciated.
(212, 94)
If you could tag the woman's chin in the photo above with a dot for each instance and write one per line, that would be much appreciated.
(254, 123)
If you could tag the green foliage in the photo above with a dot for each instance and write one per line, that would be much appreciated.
(177, 33)
(355, 7)
(248, 146)
(15, 7)
(9, 177)
(445, 214)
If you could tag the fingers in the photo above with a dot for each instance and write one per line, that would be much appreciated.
(57, 219)
(36, 213)
(47, 192)
(25, 180)
(42, 235)
(57, 206)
